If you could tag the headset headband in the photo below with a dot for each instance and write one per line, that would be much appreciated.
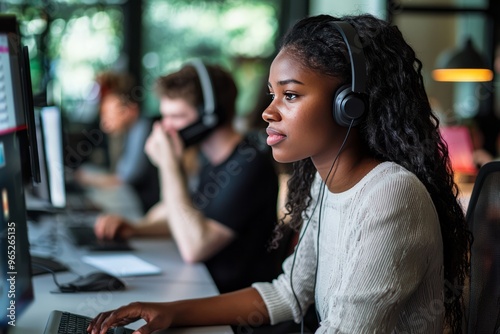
(206, 86)
(210, 115)
(356, 55)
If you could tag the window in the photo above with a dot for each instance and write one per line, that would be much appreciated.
(70, 41)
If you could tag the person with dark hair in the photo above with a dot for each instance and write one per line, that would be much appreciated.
(220, 210)
(120, 115)
(384, 243)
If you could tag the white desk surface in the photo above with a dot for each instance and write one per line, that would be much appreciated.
(177, 281)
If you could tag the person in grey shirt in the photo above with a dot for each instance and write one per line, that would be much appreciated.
(120, 115)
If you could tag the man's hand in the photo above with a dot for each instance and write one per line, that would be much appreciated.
(113, 227)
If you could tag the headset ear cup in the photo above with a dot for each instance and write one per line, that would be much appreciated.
(347, 106)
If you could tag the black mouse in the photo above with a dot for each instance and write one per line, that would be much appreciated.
(95, 281)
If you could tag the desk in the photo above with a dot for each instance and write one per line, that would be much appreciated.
(177, 281)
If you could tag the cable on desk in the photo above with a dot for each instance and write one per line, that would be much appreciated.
(61, 288)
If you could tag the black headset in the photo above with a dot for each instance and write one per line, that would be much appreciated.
(350, 103)
(210, 114)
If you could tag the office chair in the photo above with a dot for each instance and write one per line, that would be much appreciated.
(483, 218)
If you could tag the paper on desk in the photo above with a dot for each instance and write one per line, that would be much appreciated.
(122, 265)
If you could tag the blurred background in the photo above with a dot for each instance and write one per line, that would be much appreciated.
(71, 40)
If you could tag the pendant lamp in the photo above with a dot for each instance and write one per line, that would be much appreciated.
(463, 65)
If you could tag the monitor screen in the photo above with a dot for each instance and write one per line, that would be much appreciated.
(16, 291)
(16, 96)
(52, 148)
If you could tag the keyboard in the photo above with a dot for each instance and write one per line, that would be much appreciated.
(84, 236)
(42, 265)
(61, 322)
(80, 202)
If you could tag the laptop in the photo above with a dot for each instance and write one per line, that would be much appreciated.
(61, 322)
(79, 228)
(84, 236)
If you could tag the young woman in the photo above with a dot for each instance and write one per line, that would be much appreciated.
(383, 246)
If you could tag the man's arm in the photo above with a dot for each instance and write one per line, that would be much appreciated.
(198, 237)
(154, 223)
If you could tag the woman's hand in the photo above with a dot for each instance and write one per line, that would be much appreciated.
(157, 316)
(113, 227)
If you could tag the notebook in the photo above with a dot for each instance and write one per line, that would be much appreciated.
(122, 265)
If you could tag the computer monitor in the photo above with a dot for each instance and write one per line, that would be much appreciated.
(50, 193)
(16, 290)
(51, 123)
(37, 195)
(19, 92)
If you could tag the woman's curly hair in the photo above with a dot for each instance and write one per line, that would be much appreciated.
(399, 126)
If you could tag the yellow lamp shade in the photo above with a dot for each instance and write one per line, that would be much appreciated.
(464, 65)
(463, 74)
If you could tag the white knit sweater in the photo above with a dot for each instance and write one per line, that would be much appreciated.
(380, 259)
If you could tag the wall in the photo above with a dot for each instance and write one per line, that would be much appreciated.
(430, 35)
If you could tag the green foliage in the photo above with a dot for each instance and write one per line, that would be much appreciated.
(70, 41)
(235, 33)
